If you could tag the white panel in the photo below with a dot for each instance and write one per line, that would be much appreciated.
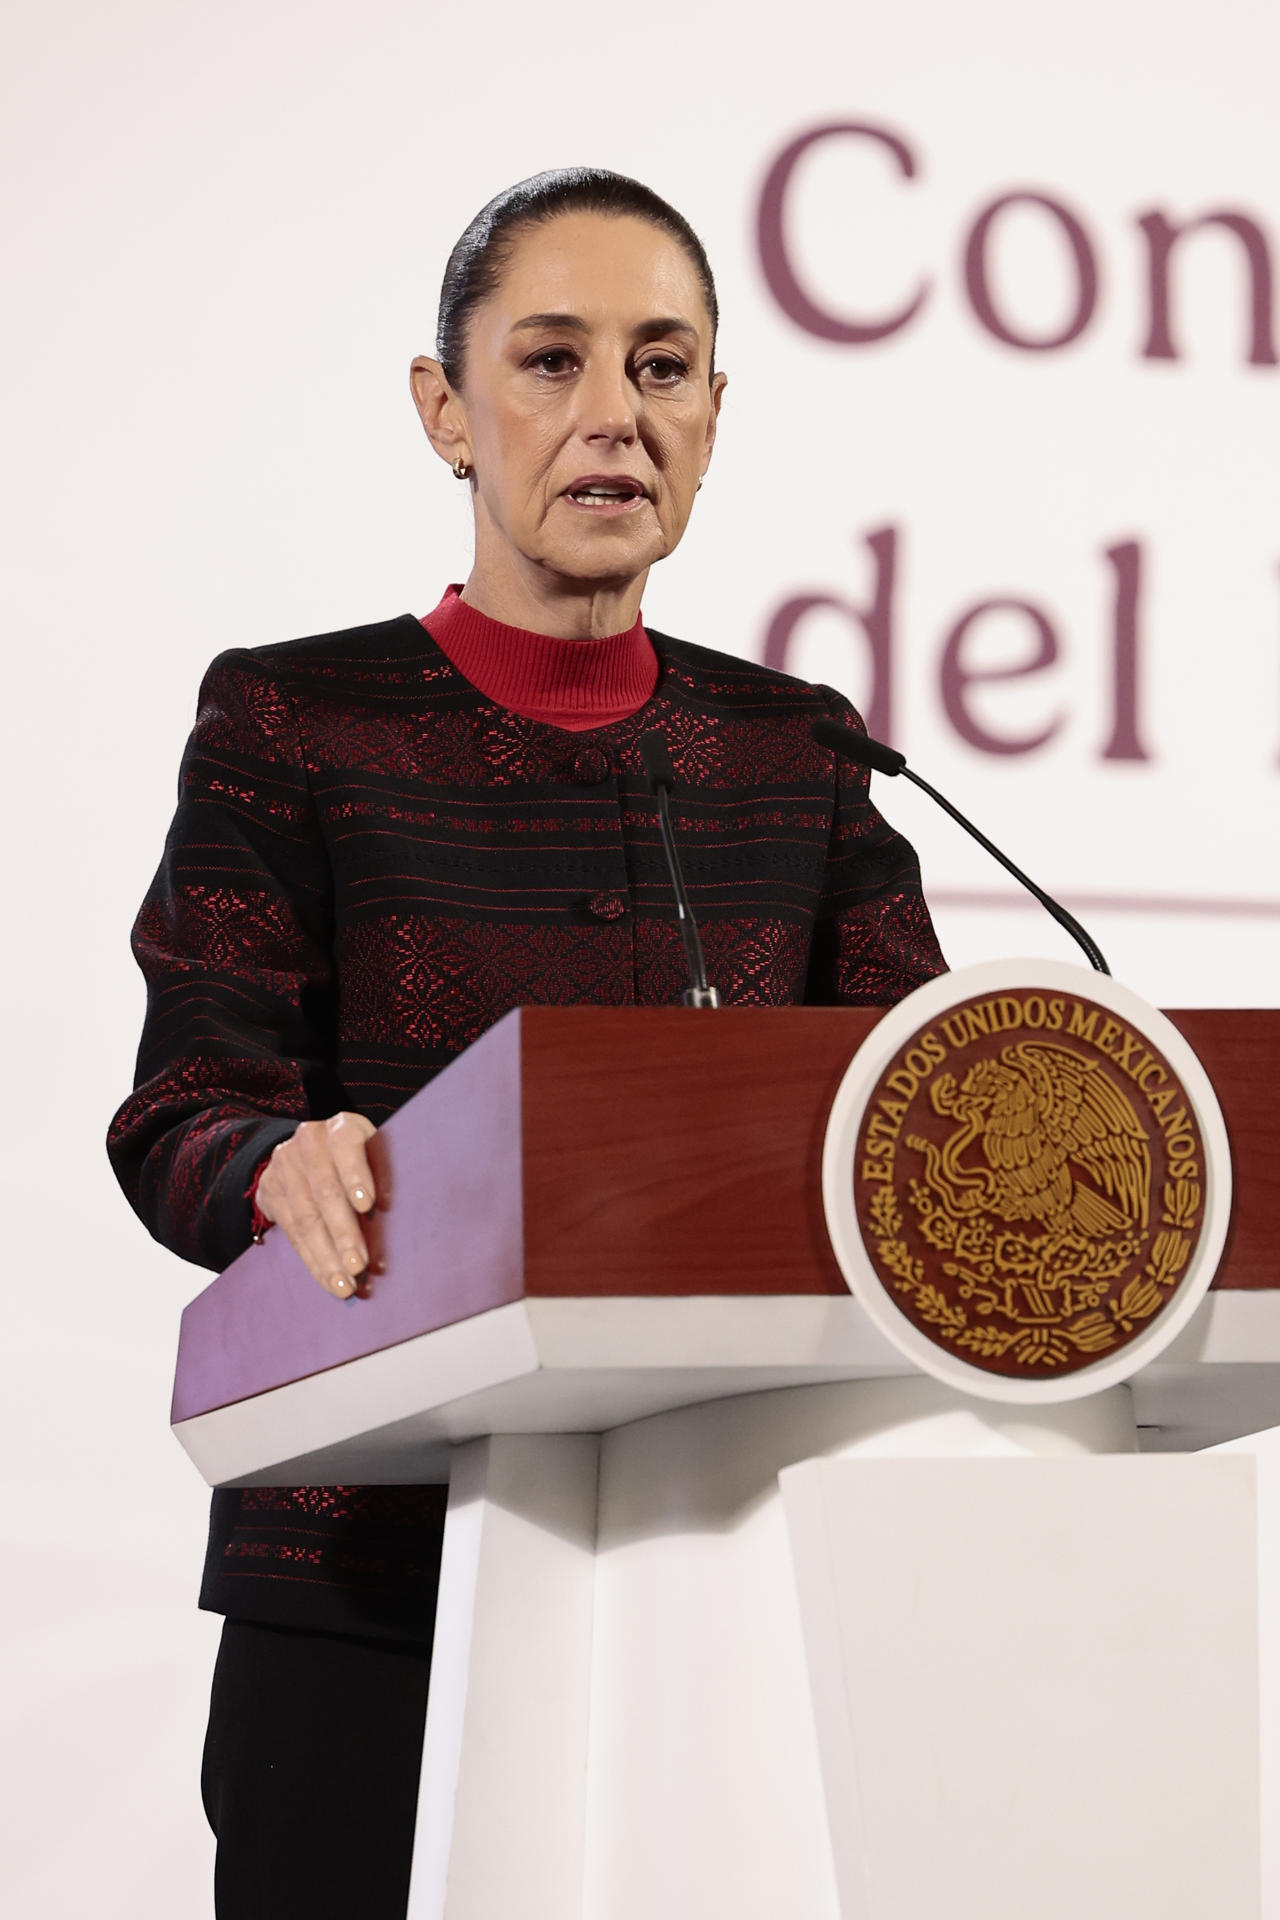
(705, 1796)
(451, 1659)
(1265, 1449)
(502, 1803)
(1035, 1683)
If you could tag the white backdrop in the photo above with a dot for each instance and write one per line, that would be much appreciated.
(224, 228)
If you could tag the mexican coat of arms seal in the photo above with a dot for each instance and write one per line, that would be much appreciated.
(1033, 1169)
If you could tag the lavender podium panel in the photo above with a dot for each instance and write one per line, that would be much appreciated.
(446, 1242)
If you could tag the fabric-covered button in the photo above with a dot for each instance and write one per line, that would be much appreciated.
(591, 766)
(607, 906)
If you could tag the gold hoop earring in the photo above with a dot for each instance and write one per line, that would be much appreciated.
(461, 471)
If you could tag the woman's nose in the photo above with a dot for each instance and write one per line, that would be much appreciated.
(606, 402)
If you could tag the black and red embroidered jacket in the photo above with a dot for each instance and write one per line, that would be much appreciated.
(370, 863)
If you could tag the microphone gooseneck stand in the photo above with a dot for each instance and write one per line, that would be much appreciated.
(660, 773)
(866, 752)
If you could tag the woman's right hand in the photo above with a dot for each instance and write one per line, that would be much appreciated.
(315, 1186)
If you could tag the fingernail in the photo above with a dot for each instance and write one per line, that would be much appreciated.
(355, 1261)
(339, 1282)
(362, 1197)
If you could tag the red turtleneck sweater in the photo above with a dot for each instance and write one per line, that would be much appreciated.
(574, 684)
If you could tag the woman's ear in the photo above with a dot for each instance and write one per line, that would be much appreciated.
(719, 382)
(440, 410)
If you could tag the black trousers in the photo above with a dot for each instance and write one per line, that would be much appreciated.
(310, 1776)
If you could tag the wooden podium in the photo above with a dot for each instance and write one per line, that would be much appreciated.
(739, 1616)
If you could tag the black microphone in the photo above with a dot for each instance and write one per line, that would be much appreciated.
(661, 777)
(866, 752)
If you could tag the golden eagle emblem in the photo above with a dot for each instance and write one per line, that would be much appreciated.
(1061, 1149)
(1017, 1199)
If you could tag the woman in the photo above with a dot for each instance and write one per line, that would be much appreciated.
(388, 837)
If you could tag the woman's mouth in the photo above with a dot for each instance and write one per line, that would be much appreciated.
(605, 496)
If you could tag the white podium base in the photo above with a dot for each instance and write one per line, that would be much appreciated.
(643, 1702)
(1051, 1709)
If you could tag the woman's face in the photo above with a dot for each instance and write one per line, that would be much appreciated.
(587, 410)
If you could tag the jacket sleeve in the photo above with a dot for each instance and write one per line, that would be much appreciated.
(235, 941)
(873, 941)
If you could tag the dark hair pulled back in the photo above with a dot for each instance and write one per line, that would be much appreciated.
(477, 261)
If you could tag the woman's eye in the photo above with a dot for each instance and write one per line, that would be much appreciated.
(553, 360)
(664, 368)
